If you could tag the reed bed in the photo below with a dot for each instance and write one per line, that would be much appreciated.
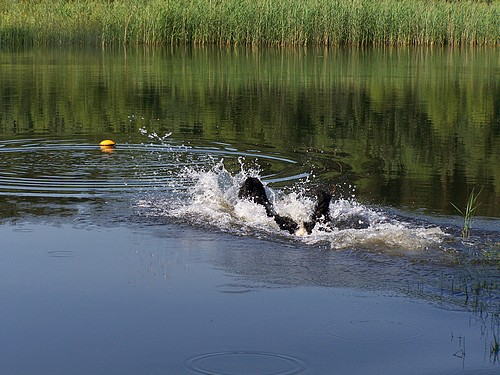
(250, 22)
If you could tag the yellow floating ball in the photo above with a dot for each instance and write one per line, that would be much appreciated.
(108, 143)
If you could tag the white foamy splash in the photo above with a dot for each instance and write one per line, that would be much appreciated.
(211, 200)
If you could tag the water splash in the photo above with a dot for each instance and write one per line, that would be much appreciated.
(197, 185)
(212, 201)
(155, 136)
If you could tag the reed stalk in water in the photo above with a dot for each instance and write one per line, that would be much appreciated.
(250, 22)
(468, 212)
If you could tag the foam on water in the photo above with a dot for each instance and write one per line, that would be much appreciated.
(212, 201)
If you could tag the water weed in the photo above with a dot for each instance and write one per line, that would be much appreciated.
(469, 212)
(248, 22)
(492, 254)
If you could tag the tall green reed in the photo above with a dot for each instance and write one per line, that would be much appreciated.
(250, 22)
(469, 212)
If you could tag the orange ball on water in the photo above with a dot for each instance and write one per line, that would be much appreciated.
(107, 145)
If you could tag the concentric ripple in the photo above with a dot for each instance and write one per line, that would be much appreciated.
(375, 331)
(245, 362)
(45, 168)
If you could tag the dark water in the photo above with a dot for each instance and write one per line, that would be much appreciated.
(145, 257)
(414, 129)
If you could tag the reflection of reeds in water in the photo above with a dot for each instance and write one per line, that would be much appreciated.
(249, 22)
(494, 349)
(468, 212)
(491, 254)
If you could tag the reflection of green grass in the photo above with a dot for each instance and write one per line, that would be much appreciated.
(250, 22)
(468, 212)
(494, 349)
(480, 283)
(202, 92)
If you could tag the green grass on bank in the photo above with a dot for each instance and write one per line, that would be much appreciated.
(250, 22)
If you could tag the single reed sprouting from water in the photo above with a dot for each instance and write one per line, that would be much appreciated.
(469, 212)
(250, 22)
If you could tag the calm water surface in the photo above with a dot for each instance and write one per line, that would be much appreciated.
(143, 260)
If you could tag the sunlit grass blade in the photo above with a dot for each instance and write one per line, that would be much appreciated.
(469, 212)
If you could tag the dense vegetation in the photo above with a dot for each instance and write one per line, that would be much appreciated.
(250, 22)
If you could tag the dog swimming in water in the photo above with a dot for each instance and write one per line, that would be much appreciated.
(253, 190)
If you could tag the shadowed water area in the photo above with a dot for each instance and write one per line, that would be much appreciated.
(142, 258)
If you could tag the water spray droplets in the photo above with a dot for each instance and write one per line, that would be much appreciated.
(213, 201)
(205, 193)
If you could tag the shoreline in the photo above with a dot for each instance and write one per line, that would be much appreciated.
(247, 23)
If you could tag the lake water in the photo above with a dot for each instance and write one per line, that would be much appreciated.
(142, 259)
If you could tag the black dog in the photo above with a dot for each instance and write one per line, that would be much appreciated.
(253, 190)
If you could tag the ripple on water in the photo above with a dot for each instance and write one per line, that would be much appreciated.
(233, 288)
(47, 168)
(245, 362)
(59, 169)
(375, 331)
(60, 254)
